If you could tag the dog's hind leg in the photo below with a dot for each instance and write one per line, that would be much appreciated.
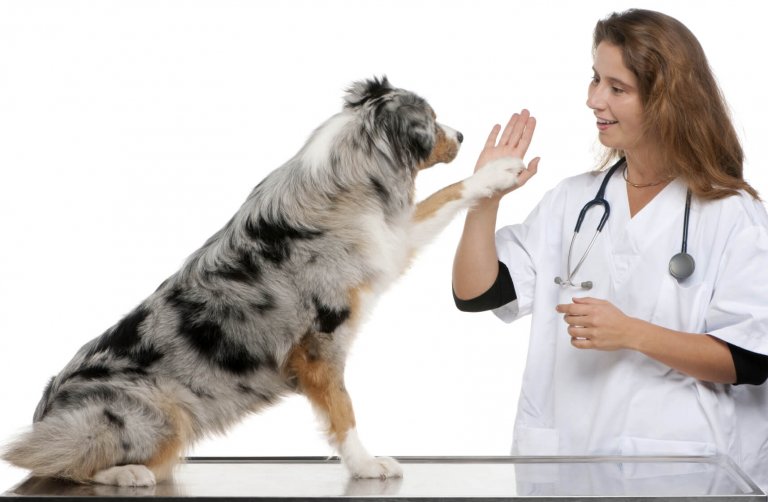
(157, 469)
(165, 455)
(322, 382)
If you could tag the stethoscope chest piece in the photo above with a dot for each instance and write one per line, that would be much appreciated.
(681, 266)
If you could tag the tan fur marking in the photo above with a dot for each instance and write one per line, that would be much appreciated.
(355, 302)
(322, 382)
(170, 451)
(434, 202)
(445, 150)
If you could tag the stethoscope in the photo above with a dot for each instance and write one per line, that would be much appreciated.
(681, 265)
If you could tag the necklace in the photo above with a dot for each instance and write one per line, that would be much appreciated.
(644, 185)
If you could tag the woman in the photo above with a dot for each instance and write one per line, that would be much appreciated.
(624, 358)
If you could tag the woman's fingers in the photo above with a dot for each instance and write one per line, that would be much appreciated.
(526, 135)
(509, 129)
(519, 127)
(491, 141)
(529, 172)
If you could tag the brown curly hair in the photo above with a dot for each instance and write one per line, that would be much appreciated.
(684, 110)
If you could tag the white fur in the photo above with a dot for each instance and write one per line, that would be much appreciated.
(386, 245)
(315, 152)
(362, 464)
(125, 475)
(450, 132)
(495, 176)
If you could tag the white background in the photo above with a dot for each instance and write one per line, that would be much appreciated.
(131, 131)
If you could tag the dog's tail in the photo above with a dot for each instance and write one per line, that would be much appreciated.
(72, 444)
(76, 443)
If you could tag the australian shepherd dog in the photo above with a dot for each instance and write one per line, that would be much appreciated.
(267, 306)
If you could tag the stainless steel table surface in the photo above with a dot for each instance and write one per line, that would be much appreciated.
(428, 479)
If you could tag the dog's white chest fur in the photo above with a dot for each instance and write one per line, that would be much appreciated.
(387, 246)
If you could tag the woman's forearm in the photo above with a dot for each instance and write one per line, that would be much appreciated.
(701, 356)
(594, 323)
(476, 265)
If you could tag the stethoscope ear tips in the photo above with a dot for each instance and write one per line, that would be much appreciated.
(681, 266)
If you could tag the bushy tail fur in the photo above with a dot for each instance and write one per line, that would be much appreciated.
(76, 443)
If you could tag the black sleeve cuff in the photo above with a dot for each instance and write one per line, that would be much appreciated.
(500, 293)
(751, 368)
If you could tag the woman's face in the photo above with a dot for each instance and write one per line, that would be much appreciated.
(614, 97)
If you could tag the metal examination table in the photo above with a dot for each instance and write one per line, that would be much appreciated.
(427, 479)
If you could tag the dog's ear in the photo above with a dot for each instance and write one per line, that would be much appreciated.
(364, 90)
(418, 131)
(408, 122)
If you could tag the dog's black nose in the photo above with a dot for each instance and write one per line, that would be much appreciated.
(459, 137)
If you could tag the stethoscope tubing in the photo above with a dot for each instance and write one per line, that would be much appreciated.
(681, 265)
(599, 200)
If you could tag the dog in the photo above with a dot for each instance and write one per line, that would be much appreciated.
(267, 306)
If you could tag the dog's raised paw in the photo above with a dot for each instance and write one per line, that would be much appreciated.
(495, 176)
(377, 467)
(125, 475)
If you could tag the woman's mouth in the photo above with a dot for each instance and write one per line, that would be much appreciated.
(603, 124)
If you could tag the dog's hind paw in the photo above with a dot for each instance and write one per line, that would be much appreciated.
(125, 475)
(376, 467)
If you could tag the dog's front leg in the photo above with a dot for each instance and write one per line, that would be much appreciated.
(322, 382)
(434, 213)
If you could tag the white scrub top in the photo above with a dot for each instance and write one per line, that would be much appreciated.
(588, 402)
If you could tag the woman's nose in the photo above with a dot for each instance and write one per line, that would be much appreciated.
(594, 99)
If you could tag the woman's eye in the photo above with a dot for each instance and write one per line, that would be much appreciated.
(617, 90)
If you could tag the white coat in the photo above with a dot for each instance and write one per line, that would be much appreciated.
(579, 402)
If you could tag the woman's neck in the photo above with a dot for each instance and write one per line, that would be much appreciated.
(646, 178)
(645, 169)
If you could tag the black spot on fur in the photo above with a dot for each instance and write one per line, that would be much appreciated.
(145, 356)
(381, 191)
(92, 373)
(328, 319)
(77, 395)
(125, 335)
(113, 419)
(361, 92)
(133, 370)
(134, 374)
(249, 264)
(245, 268)
(275, 238)
(125, 341)
(208, 337)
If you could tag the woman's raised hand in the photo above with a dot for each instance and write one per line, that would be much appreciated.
(514, 142)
